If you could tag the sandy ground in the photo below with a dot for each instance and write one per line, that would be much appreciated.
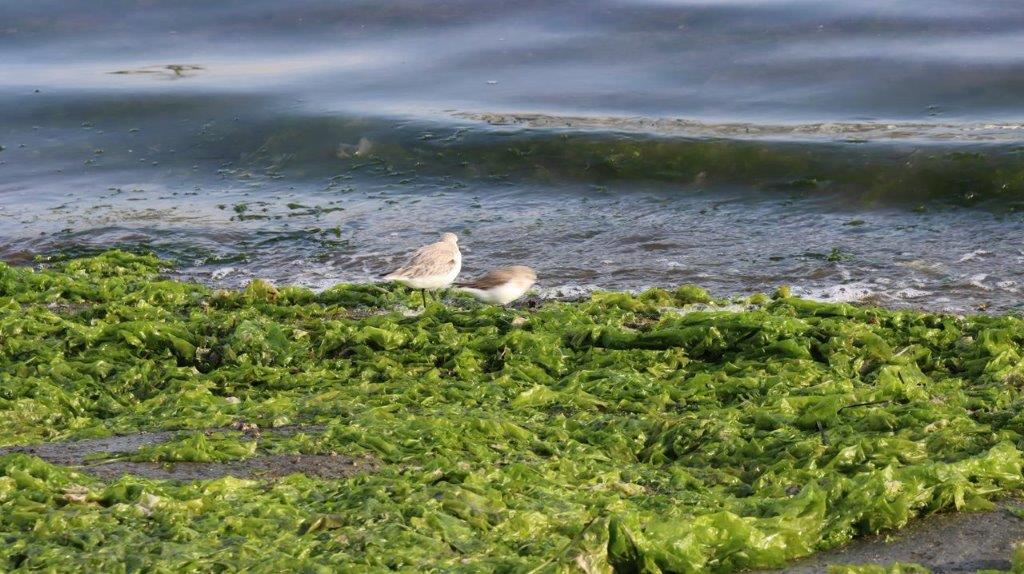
(945, 543)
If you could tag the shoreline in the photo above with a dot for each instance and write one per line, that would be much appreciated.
(852, 294)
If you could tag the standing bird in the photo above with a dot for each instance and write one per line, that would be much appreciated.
(502, 285)
(431, 267)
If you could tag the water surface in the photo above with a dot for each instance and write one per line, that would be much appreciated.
(863, 150)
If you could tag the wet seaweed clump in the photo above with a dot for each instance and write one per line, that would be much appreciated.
(656, 432)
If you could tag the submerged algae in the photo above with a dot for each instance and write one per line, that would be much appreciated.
(652, 432)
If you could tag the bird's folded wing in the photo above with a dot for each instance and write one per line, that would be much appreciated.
(433, 259)
(490, 279)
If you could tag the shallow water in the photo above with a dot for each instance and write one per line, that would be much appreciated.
(856, 151)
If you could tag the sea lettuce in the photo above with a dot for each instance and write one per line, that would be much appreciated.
(652, 432)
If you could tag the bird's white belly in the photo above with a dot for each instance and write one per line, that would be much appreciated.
(428, 282)
(501, 294)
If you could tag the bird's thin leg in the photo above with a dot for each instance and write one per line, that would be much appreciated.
(423, 294)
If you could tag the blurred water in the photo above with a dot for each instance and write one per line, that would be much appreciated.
(856, 150)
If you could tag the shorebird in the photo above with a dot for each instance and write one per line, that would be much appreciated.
(431, 267)
(502, 285)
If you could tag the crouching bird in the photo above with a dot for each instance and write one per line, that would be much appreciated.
(431, 267)
(502, 285)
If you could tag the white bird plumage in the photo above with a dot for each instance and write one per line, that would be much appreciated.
(431, 267)
(502, 285)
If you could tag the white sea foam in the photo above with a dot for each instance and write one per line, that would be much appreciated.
(861, 131)
(977, 280)
(1008, 286)
(219, 274)
(880, 289)
(856, 291)
(976, 254)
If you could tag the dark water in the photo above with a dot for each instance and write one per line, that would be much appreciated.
(856, 150)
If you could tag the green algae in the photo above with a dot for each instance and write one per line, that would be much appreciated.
(197, 447)
(641, 433)
(886, 173)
